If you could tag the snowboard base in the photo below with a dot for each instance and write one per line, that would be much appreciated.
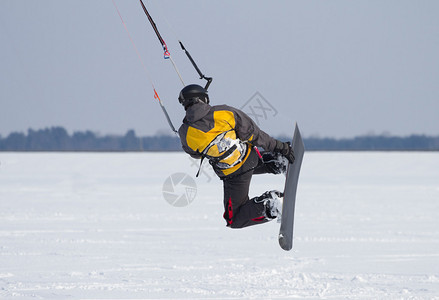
(289, 202)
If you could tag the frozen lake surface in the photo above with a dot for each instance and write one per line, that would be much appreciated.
(97, 225)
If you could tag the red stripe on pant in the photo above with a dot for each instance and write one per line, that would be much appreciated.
(259, 219)
(228, 214)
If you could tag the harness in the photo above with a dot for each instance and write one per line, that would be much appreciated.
(224, 151)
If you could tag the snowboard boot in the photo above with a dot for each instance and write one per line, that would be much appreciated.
(275, 162)
(272, 201)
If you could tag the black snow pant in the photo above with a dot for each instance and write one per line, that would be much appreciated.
(239, 210)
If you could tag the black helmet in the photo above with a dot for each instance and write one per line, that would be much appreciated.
(191, 94)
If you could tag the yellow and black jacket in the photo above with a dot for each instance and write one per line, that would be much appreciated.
(223, 134)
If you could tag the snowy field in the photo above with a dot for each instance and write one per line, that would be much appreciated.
(97, 225)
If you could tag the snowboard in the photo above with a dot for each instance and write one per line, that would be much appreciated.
(289, 202)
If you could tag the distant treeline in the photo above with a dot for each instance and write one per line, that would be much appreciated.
(58, 139)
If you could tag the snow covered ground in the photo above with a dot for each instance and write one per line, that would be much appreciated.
(97, 225)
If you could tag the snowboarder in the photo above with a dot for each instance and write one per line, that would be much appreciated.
(229, 138)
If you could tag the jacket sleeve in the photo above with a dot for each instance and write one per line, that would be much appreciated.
(247, 130)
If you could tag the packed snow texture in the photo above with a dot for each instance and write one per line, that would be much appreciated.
(97, 225)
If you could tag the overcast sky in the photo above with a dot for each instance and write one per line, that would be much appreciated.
(338, 68)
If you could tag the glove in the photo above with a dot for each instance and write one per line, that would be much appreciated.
(285, 149)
